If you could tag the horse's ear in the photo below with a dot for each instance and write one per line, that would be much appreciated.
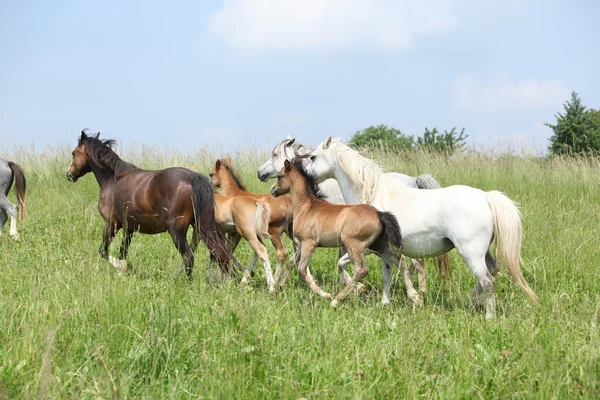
(97, 135)
(82, 136)
(327, 143)
(227, 161)
(218, 165)
(287, 165)
(291, 142)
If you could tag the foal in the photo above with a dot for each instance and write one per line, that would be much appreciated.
(317, 223)
(243, 216)
(279, 210)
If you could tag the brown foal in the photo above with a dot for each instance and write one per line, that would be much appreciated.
(279, 210)
(317, 223)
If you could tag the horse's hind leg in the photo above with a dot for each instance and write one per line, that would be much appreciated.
(179, 236)
(414, 297)
(12, 211)
(261, 252)
(357, 255)
(3, 219)
(476, 260)
(282, 253)
(491, 264)
(422, 279)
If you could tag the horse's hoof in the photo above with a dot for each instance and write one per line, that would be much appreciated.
(335, 303)
(418, 301)
(273, 290)
(385, 302)
(16, 237)
(362, 289)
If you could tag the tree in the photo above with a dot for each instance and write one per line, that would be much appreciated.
(449, 141)
(382, 136)
(577, 131)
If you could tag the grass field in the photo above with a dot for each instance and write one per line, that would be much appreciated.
(71, 328)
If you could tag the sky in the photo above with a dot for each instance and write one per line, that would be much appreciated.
(238, 73)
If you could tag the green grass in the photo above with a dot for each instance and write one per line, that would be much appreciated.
(71, 328)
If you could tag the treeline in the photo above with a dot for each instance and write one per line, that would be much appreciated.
(576, 132)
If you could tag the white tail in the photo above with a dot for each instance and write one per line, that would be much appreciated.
(508, 236)
(263, 216)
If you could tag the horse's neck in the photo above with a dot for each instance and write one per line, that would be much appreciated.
(347, 187)
(300, 194)
(229, 187)
(103, 175)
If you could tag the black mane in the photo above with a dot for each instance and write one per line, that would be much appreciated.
(101, 153)
(311, 183)
(234, 176)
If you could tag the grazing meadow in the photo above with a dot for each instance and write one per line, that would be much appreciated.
(70, 327)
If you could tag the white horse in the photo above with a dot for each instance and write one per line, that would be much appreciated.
(433, 221)
(288, 149)
(9, 172)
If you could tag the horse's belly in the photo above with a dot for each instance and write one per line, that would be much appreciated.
(145, 224)
(419, 246)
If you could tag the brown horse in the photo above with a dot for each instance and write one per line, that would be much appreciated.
(244, 217)
(317, 223)
(150, 202)
(279, 210)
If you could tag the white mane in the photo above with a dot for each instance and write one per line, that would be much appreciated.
(362, 171)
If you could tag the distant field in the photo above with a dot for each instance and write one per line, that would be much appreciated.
(71, 328)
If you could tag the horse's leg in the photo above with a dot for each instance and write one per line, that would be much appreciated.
(356, 252)
(491, 264)
(386, 274)
(410, 289)
(179, 236)
(108, 234)
(125, 248)
(3, 219)
(12, 211)
(282, 252)
(307, 249)
(290, 265)
(261, 252)
(420, 267)
(475, 258)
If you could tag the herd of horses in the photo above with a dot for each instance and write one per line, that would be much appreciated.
(330, 196)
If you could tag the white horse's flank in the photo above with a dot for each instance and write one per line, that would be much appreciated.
(433, 221)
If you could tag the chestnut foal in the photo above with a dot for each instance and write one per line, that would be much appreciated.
(317, 223)
(278, 210)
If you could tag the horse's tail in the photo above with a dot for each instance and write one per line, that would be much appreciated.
(508, 235)
(20, 186)
(263, 217)
(427, 182)
(205, 222)
(442, 261)
(391, 229)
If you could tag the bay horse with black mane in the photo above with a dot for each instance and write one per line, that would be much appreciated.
(139, 200)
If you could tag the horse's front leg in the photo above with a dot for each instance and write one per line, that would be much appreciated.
(122, 261)
(306, 253)
(108, 234)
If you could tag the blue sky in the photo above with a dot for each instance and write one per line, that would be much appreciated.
(235, 73)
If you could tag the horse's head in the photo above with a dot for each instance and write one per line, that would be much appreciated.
(217, 170)
(285, 150)
(283, 185)
(322, 162)
(80, 164)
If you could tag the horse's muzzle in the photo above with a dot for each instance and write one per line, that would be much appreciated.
(274, 192)
(71, 177)
(261, 177)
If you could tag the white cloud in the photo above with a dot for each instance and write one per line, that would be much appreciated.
(291, 25)
(528, 94)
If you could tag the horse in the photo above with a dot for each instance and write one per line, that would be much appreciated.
(150, 202)
(279, 210)
(434, 221)
(289, 148)
(244, 217)
(318, 223)
(9, 172)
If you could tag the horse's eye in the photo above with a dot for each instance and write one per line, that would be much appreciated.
(73, 153)
(279, 178)
(313, 158)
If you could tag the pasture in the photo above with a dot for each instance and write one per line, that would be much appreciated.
(70, 327)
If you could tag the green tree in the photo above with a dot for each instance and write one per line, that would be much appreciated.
(449, 141)
(577, 131)
(382, 136)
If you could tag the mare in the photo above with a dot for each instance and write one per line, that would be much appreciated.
(318, 223)
(145, 201)
(279, 211)
(434, 221)
(9, 172)
(289, 148)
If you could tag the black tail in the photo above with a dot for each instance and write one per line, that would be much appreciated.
(20, 186)
(390, 234)
(204, 214)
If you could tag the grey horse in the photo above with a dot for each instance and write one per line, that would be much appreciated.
(9, 172)
(288, 149)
